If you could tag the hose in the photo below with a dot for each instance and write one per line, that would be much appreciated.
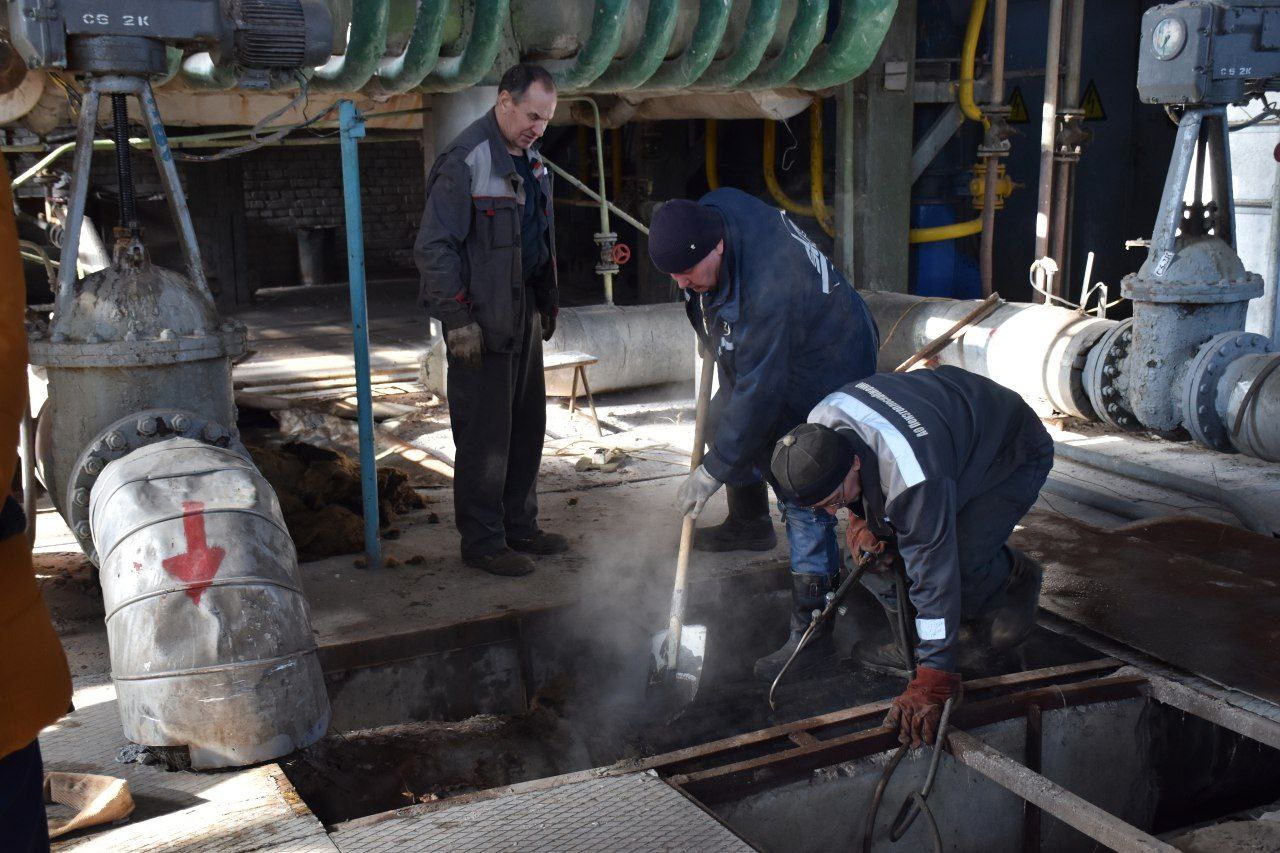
(1248, 516)
(954, 231)
(916, 803)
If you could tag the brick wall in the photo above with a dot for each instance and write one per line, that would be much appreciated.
(288, 189)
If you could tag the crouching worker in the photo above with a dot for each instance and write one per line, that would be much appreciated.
(942, 464)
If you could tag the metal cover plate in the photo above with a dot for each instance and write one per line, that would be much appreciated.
(635, 812)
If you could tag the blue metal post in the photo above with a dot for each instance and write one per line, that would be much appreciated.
(351, 127)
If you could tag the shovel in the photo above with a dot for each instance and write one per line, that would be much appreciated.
(678, 650)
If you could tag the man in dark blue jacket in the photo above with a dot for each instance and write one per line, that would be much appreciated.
(943, 463)
(786, 329)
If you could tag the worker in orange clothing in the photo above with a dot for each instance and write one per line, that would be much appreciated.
(35, 686)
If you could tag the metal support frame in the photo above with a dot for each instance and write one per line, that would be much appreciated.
(351, 128)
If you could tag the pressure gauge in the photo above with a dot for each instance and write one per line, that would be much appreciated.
(1168, 37)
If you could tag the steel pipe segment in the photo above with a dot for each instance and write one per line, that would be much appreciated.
(481, 51)
(599, 49)
(859, 32)
(636, 69)
(1249, 399)
(410, 68)
(365, 47)
(209, 631)
(762, 22)
(713, 18)
(638, 345)
(806, 34)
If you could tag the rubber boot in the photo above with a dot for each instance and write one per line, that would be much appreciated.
(1015, 616)
(748, 526)
(889, 657)
(808, 593)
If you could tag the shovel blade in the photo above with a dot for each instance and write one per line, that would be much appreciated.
(680, 686)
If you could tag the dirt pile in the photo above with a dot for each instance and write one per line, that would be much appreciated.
(319, 492)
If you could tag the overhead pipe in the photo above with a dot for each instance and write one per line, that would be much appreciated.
(968, 58)
(481, 51)
(807, 30)
(636, 69)
(995, 146)
(713, 18)
(600, 46)
(1068, 143)
(1048, 136)
(365, 48)
(420, 56)
(859, 33)
(757, 32)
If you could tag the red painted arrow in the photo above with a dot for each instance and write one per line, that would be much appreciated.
(200, 562)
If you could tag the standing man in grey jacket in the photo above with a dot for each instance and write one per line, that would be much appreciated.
(486, 252)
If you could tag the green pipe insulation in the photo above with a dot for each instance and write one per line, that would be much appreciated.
(762, 22)
(806, 34)
(636, 69)
(601, 45)
(859, 32)
(713, 17)
(421, 54)
(462, 72)
(365, 47)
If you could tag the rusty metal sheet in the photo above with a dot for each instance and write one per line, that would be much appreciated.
(1217, 617)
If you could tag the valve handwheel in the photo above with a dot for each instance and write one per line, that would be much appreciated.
(621, 253)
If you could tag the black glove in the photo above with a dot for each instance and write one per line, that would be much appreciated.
(548, 324)
(466, 344)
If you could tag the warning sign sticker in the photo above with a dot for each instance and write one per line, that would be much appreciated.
(1018, 107)
(1091, 103)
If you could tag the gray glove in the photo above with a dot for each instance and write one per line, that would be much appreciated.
(695, 491)
(466, 344)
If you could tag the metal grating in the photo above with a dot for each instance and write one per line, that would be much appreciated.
(636, 812)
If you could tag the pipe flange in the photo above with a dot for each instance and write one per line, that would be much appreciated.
(118, 441)
(1105, 380)
(1200, 413)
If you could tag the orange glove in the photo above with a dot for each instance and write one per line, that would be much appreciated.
(860, 538)
(916, 713)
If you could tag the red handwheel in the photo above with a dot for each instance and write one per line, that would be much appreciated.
(621, 253)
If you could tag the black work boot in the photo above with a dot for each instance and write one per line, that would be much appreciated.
(808, 593)
(888, 657)
(748, 526)
(541, 544)
(505, 562)
(1015, 616)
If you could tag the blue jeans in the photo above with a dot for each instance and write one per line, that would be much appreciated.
(22, 822)
(811, 535)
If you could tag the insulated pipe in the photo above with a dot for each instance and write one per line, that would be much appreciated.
(365, 47)
(1249, 400)
(636, 69)
(601, 45)
(1037, 350)
(986, 252)
(483, 43)
(807, 30)
(859, 33)
(638, 345)
(421, 54)
(713, 17)
(1166, 480)
(1048, 134)
(209, 630)
(762, 22)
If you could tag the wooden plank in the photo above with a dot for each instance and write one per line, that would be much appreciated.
(1076, 812)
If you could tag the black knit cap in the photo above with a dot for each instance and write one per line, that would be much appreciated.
(682, 233)
(810, 462)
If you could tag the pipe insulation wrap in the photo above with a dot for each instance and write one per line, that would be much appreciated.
(638, 345)
(1037, 350)
(209, 631)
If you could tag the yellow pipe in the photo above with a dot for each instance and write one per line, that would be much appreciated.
(817, 210)
(945, 232)
(816, 168)
(711, 158)
(967, 56)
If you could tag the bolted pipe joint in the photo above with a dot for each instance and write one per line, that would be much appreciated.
(1181, 299)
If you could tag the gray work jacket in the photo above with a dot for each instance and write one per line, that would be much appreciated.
(468, 247)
